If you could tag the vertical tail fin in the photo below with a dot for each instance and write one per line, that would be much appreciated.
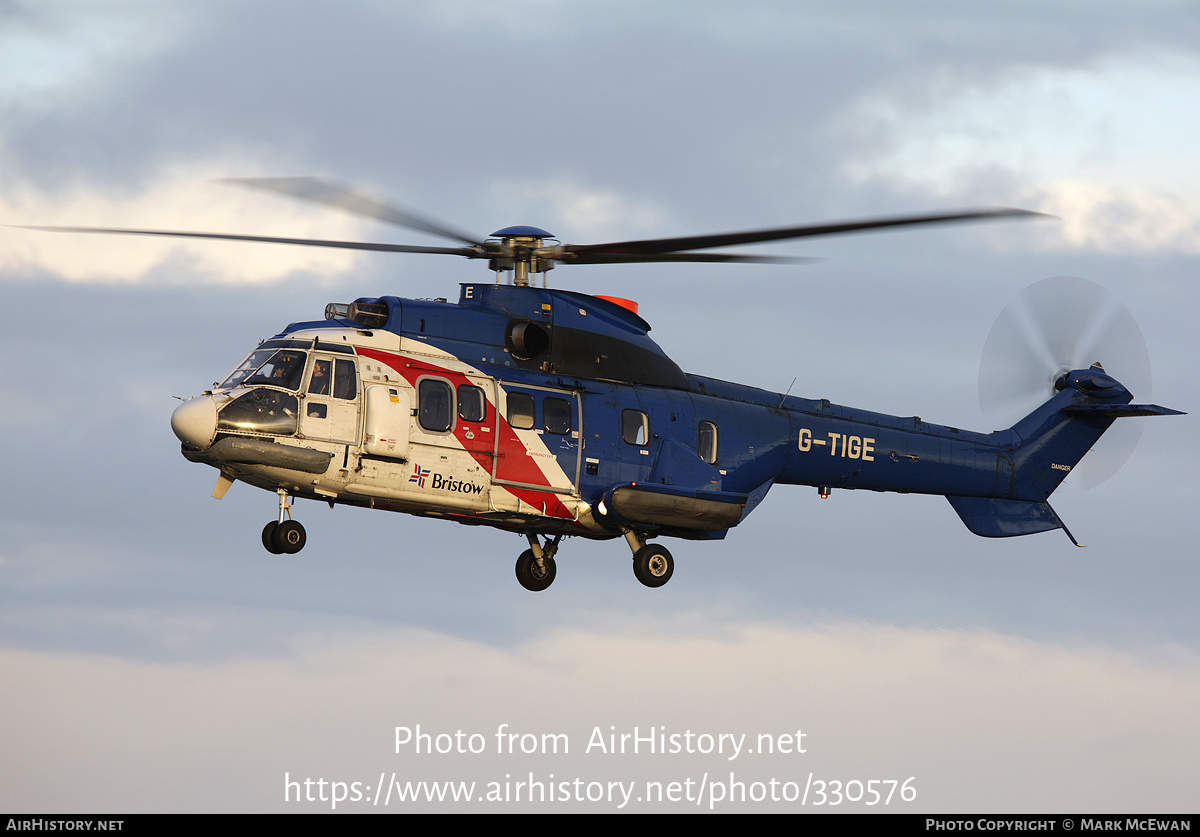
(1046, 445)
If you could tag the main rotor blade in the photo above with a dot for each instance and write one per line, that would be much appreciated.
(724, 258)
(469, 252)
(315, 190)
(700, 242)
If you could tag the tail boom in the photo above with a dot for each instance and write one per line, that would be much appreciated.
(998, 483)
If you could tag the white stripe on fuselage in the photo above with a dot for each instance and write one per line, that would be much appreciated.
(546, 461)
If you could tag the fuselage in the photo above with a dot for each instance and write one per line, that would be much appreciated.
(553, 412)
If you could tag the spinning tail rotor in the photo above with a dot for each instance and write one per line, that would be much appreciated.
(1054, 326)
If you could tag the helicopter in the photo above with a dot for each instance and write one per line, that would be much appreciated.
(551, 413)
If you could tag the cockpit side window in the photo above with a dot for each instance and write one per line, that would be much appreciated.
(336, 378)
(345, 382)
(322, 375)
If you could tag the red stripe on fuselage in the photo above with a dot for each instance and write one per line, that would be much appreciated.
(518, 462)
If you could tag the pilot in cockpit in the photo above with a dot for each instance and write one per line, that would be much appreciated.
(319, 384)
(288, 367)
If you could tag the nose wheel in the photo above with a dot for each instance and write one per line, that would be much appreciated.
(284, 536)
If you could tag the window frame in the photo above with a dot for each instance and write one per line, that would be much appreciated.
(567, 412)
(643, 426)
(715, 453)
(421, 414)
(482, 403)
(532, 419)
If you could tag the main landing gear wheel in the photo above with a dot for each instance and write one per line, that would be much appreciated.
(653, 565)
(285, 538)
(268, 538)
(290, 537)
(531, 575)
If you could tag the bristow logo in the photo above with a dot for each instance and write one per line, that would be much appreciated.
(419, 475)
(441, 483)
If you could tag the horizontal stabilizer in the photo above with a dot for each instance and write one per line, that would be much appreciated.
(992, 518)
(1120, 410)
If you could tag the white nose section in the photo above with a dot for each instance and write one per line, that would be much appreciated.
(195, 422)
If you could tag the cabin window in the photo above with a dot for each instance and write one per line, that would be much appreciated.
(436, 400)
(556, 416)
(635, 427)
(707, 443)
(520, 411)
(472, 405)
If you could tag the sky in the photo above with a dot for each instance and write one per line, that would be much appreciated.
(156, 658)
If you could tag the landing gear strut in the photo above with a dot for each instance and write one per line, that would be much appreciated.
(284, 536)
(652, 564)
(535, 567)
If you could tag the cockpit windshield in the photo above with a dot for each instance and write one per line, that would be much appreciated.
(284, 369)
(250, 365)
(273, 367)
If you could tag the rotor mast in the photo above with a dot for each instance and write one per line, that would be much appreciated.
(522, 250)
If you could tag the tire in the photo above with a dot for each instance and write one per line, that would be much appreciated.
(289, 537)
(268, 538)
(653, 565)
(531, 576)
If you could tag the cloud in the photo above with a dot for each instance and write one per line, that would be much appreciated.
(589, 214)
(1111, 219)
(61, 49)
(179, 197)
(191, 671)
(1098, 144)
(960, 711)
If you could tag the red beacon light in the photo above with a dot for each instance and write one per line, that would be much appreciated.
(627, 304)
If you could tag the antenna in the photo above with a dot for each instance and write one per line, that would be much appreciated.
(785, 394)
